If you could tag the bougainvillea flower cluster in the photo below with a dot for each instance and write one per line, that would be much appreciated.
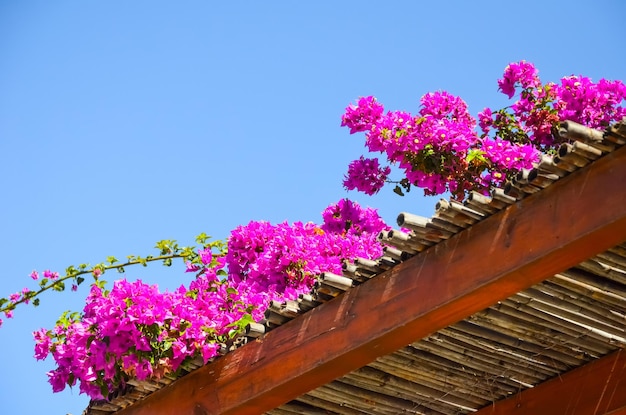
(366, 175)
(439, 148)
(135, 331)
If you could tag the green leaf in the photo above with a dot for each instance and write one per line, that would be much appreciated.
(79, 280)
(104, 390)
(36, 302)
(90, 340)
(398, 190)
(188, 251)
(58, 286)
(476, 155)
(111, 260)
(202, 238)
(71, 271)
(166, 246)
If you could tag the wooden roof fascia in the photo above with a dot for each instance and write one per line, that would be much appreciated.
(597, 388)
(531, 240)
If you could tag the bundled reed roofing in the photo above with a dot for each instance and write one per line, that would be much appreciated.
(514, 303)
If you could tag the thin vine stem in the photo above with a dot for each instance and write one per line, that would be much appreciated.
(169, 251)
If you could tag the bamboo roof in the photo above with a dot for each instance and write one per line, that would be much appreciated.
(511, 304)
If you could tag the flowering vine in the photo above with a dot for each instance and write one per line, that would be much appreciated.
(135, 331)
(439, 148)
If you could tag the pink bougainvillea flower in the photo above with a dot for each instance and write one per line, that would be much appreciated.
(521, 73)
(362, 116)
(485, 120)
(366, 175)
(50, 275)
(205, 256)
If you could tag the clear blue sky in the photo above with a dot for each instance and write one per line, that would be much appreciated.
(123, 123)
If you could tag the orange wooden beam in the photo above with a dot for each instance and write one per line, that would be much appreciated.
(531, 240)
(598, 388)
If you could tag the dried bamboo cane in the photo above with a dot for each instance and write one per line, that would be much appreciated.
(517, 340)
(567, 305)
(604, 270)
(570, 164)
(604, 282)
(425, 380)
(482, 203)
(386, 240)
(593, 309)
(336, 281)
(330, 394)
(396, 384)
(356, 273)
(298, 408)
(327, 405)
(385, 402)
(613, 304)
(617, 133)
(498, 194)
(568, 153)
(445, 225)
(413, 399)
(404, 241)
(494, 364)
(307, 302)
(560, 309)
(548, 166)
(448, 394)
(440, 375)
(459, 363)
(367, 265)
(272, 317)
(544, 179)
(423, 227)
(613, 257)
(567, 333)
(526, 363)
(255, 330)
(574, 131)
(386, 262)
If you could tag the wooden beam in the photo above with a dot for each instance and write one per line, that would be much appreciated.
(531, 240)
(598, 388)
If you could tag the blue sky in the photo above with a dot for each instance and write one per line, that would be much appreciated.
(123, 123)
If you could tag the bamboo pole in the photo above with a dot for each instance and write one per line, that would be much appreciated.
(574, 131)
(327, 405)
(575, 279)
(582, 341)
(336, 281)
(442, 373)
